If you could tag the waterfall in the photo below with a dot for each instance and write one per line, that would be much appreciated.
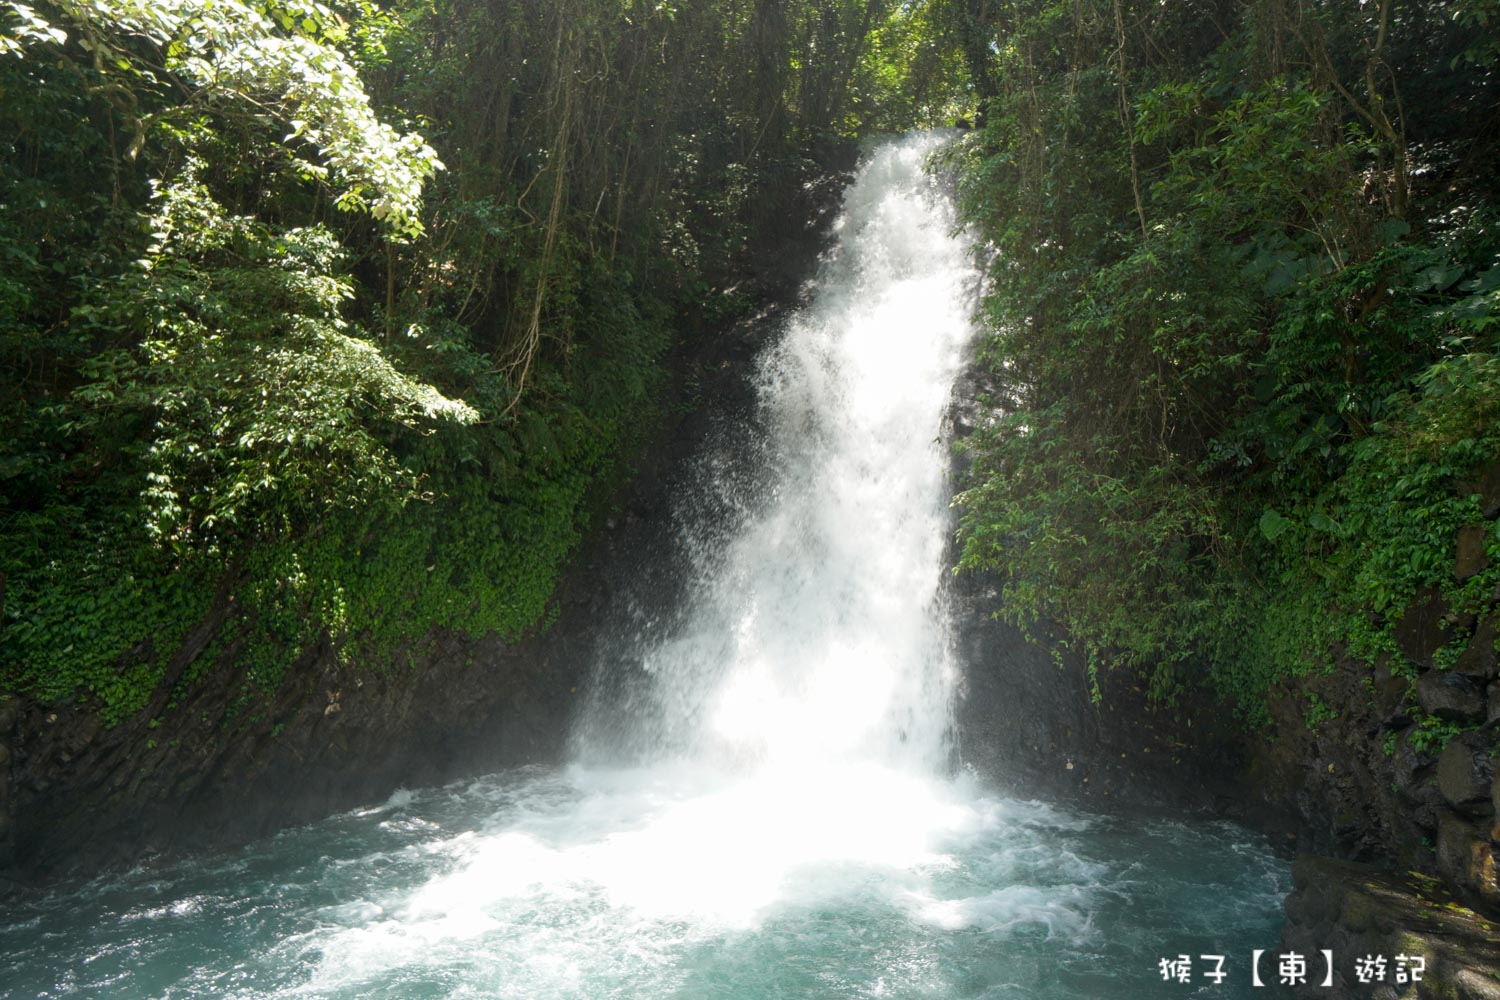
(813, 634)
(762, 804)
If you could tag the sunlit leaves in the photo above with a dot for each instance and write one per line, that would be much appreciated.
(276, 60)
(25, 26)
(267, 405)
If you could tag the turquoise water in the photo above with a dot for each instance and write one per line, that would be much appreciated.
(537, 884)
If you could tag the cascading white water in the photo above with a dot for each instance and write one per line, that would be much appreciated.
(778, 819)
(815, 636)
(797, 717)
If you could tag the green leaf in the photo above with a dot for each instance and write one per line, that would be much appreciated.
(1439, 277)
(1273, 525)
(1319, 521)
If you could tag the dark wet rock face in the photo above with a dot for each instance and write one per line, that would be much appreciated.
(1465, 771)
(1471, 556)
(10, 713)
(1027, 724)
(1450, 696)
(1357, 781)
(213, 774)
(1479, 660)
(1424, 628)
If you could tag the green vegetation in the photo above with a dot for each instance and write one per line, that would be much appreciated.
(343, 312)
(1431, 734)
(1244, 314)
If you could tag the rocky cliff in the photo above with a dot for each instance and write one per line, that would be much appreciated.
(1397, 771)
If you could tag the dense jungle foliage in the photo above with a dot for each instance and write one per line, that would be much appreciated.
(1244, 315)
(342, 312)
(348, 313)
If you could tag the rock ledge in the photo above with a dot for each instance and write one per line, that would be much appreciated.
(1358, 911)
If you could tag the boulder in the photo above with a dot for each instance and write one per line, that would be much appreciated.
(1450, 696)
(1471, 556)
(1478, 660)
(1466, 771)
(1424, 627)
(1486, 486)
(1390, 688)
(1466, 857)
(1411, 767)
(1492, 712)
(1472, 985)
(1357, 910)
